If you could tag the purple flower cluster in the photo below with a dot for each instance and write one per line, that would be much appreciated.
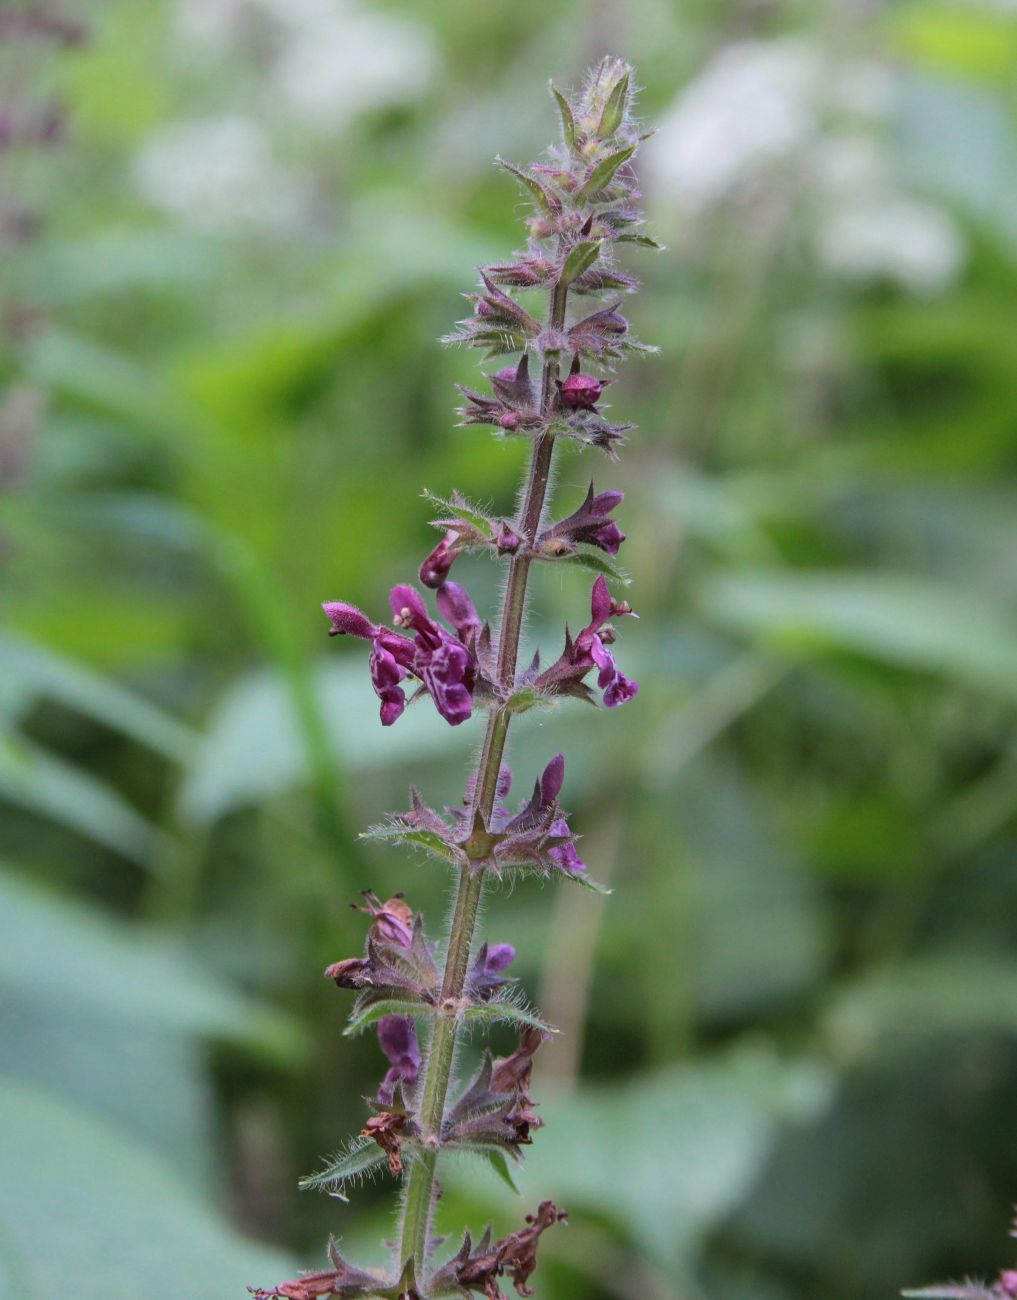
(446, 666)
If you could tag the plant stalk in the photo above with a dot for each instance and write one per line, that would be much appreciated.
(421, 1177)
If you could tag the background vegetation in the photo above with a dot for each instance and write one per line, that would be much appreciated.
(789, 1065)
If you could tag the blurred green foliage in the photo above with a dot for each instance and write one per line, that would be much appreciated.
(789, 1060)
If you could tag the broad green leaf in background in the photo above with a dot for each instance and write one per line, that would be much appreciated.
(666, 1155)
(250, 748)
(52, 788)
(38, 669)
(71, 955)
(903, 620)
(85, 1210)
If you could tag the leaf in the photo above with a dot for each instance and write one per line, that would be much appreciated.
(427, 840)
(251, 748)
(644, 241)
(614, 110)
(360, 1020)
(581, 878)
(126, 1226)
(905, 620)
(67, 954)
(603, 173)
(595, 562)
(496, 1158)
(581, 257)
(541, 195)
(512, 1013)
(363, 1157)
(40, 669)
(674, 1151)
(461, 509)
(51, 788)
(568, 122)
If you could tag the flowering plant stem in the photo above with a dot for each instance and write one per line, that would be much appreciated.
(421, 1183)
(584, 198)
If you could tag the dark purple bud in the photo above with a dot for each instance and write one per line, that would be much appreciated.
(435, 569)
(457, 609)
(507, 540)
(500, 956)
(509, 421)
(347, 620)
(552, 779)
(581, 392)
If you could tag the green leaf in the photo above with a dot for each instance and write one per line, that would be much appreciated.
(512, 1013)
(51, 788)
(714, 1126)
(126, 1226)
(905, 620)
(614, 110)
(580, 259)
(644, 241)
(568, 122)
(392, 832)
(496, 1157)
(235, 765)
(67, 954)
(581, 878)
(461, 509)
(595, 562)
(363, 1157)
(604, 172)
(538, 191)
(360, 1020)
(36, 667)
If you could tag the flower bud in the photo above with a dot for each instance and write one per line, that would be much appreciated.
(581, 392)
(435, 569)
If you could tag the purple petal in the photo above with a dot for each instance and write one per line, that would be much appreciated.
(600, 603)
(408, 608)
(457, 609)
(621, 690)
(347, 620)
(397, 1037)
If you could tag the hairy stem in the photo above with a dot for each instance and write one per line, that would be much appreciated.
(421, 1181)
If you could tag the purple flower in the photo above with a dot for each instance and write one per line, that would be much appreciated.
(592, 643)
(443, 664)
(435, 568)
(485, 973)
(589, 525)
(397, 1037)
(446, 666)
(392, 655)
(590, 650)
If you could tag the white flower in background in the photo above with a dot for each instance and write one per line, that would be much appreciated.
(349, 60)
(748, 110)
(216, 173)
(330, 59)
(778, 114)
(892, 237)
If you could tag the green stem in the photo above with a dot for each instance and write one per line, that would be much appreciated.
(421, 1178)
